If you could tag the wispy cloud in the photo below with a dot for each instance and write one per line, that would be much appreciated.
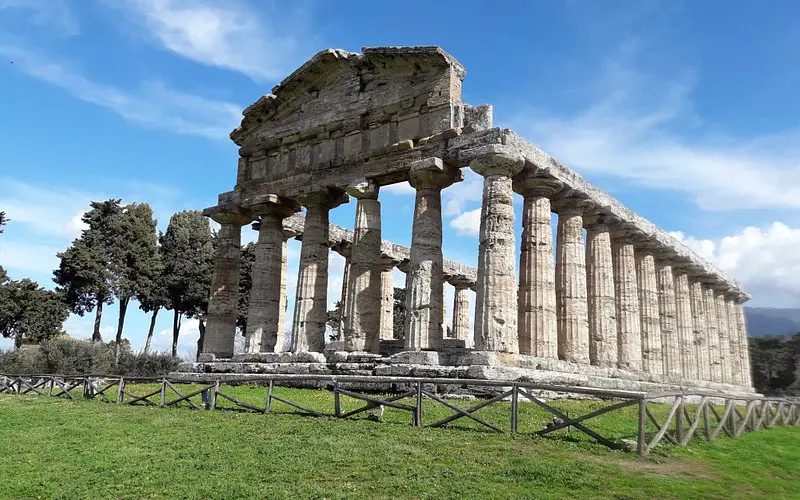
(232, 35)
(54, 15)
(765, 259)
(641, 126)
(152, 104)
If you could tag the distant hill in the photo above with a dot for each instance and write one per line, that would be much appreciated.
(771, 321)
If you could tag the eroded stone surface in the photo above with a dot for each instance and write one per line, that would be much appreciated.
(602, 298)
(629, 334)
(571, 304)
(652, 354)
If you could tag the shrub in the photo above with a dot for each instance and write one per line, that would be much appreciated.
(77, 357)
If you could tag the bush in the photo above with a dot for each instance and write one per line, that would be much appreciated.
(77, 357)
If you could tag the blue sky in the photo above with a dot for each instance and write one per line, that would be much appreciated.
(685, 111)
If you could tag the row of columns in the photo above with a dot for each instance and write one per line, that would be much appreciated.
(607, 300)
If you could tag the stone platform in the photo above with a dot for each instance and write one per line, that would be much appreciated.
(450, 363)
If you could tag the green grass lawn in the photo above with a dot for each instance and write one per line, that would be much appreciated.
(59, 448)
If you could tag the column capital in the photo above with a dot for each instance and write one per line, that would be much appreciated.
(328, 198)
(386, 262)
(460, 281)
(598, 221)
(566, 205)
(343, 248)
(363, 189)
(496, 159)
(433, 173)
(273, 204)
(229, 214)
(529, 185)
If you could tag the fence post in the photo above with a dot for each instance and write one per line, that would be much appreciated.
(514, 407)
(679, 431)
(641, 438)
(418, 412)
(269, 397)
(213, 404)
(52, 383)
(120, 389)
(337, 407)
(163, 393)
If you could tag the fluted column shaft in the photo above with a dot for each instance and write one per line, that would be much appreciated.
(282, 303)
(461, 313)
(363, 314)
(728, 367)
(311, 302)
(683, 305)
(387, 303)
(537, 324)
(601, 297)
(629, 338)
(496, 286)
(741, 327)
(652, 350)
(571, 300)
(712, 329)
(424, 296)
(702, 367)
(670, 343)
(224, 300)
(736, 348)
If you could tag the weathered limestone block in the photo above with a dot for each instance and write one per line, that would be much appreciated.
(683, 304)
(670, 343)
(652, 351)
(224, 299)
(702, 369)
(461, 328)
(424, 304)
(601, 297)
(496, 288)
(311, 303)
(712, 329)
(537, 322)
(363, 316)
(629, 336)
(571, 300)
(741, 327)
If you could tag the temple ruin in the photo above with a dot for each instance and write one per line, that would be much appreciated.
(614, 302)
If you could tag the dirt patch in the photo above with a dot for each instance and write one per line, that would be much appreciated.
(664, 467)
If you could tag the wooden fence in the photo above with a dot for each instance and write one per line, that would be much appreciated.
(718, 413)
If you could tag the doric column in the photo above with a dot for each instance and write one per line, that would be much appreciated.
(537, 321)
(744, 342)
(224, 300)
(363, 314)
(345, 249)
(736, 348)
(629, 336)
(266, 309)
(652, 350)
(423, 328)
(601, 294)
(311, 302)
(683, 304)
(461, 312)
(702, 370)
(496, 287)
(670, 343)
(387, 298)
(571, 301)
(712, 329)
(728, 372)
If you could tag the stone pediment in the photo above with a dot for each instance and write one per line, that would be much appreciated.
(340, 105)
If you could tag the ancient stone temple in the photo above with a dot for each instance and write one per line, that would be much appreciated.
(611, 301)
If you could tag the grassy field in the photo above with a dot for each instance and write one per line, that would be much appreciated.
(59, 448)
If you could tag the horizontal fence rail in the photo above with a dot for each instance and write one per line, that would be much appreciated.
(691, 414)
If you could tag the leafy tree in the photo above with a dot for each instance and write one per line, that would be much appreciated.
(152, 297)
(187, 252)
(774, 363)
(3, 221)
(334, 319)
(134, 261)
(84, 276)
(29, 311)
(247, 260)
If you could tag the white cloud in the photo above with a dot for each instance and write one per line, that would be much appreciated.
(460, 194)
(642, 127)
(468, 223)
(47, 212)
(29, 257)
(400, 189)
(766, 260)
(152, 104)
(230, 35)
(51, 14)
